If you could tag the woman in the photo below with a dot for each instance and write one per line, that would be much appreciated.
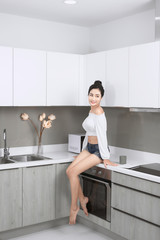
(94, 150)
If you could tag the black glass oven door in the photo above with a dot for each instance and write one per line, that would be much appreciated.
(99, 196)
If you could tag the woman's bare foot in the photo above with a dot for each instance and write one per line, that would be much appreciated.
(73, 215)
(83, 205)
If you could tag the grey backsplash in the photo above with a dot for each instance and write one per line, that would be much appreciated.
(133, 130)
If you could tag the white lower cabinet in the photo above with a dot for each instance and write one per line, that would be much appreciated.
(38, 194)
(63, 199)
(10, 199)
(135, 207)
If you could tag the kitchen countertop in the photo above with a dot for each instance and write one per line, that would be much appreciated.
(122, 169)
(58, 157)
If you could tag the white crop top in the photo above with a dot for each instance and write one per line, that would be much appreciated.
(96, 125)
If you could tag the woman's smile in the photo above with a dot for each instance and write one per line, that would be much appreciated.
(94, 97)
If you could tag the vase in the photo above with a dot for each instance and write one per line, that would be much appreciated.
(40, 149)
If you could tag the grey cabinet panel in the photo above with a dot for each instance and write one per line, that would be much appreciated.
(136, 183)
(63, 199)
(137, 203)
(38, 194)
(133, 228)
(10, 199)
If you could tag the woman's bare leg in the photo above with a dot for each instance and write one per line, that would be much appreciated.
(73, 173)
(83, 200)
(78, 158)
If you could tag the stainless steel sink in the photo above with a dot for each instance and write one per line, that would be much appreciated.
(5, 161)
(27, 158)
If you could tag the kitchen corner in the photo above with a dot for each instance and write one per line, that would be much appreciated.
(50, 54)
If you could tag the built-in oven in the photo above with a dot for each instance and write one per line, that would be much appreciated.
(96, 185)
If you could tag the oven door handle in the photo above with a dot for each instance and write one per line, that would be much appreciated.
(108, 209)
(95, 179)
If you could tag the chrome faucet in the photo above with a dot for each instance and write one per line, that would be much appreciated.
(6, 150)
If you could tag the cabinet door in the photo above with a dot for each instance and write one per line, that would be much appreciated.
(82, 82)
(63, 72)
(139, 204)
(144, 75)
(6, 84)
(29, 77)
(10, 199)
(63, 199)
(38, 194)
(133, 228)
(95, 70)
(117, 78)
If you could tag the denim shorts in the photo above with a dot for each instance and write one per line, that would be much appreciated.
(93, 149)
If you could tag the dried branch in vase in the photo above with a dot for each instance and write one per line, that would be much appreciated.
(44, 124)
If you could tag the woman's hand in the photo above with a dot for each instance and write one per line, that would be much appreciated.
(108, 162)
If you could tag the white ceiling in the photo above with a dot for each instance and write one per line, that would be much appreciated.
(84, 13)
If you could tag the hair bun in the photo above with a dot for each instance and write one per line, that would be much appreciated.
(95, 85)
(98, 82)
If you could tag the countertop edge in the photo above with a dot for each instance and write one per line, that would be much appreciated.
(59, 157)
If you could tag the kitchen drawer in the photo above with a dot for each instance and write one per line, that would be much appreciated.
(136, 183)
(133, 228)
(136, 203)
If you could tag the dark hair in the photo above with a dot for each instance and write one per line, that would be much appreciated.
(97, 84)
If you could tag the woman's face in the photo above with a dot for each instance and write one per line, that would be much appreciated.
(94, 97)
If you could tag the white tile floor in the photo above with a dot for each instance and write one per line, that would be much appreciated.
(67, 232)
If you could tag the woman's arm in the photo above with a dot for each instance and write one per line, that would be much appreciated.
(108, 162)
(101, 130)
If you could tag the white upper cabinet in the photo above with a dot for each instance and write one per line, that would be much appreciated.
(29, 77)
(117, 78)
(63, 73)
(144, 66)
(82, 82)
(130, 76)
(95, 70)
(6, 83)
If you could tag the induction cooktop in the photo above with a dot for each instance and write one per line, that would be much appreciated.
(151, 168)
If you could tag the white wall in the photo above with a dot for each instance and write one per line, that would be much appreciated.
(31, 33)
(132, 30)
